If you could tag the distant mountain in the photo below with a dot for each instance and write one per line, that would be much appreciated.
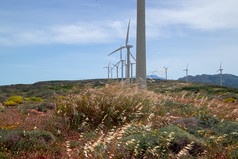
(154, 77)
(228, 79)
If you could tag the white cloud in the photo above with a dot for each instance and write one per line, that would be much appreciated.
(79, 33)
(196, 14)
(203, 15)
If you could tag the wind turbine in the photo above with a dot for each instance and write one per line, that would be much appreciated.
(186, 70)
(141, 45)
(132, 72)
(166, 72)
(116, 65)
(122, 72)
(108, 71)
(128, 47)
(111, 72)
(122, 66)
(220, 70)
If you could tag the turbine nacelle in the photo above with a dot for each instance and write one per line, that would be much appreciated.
(129, 46)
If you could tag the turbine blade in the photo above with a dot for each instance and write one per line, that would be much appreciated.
(132, 55)
(120, 54)
(117, 63)
(128, 30)
(117, 50)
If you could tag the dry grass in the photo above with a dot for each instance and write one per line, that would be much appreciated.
(111, 122)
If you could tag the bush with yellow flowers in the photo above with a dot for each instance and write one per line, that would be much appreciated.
(35, 99)
(230, 100)
(16, 99)
(10, 103)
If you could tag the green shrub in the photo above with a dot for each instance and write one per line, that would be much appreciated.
(230, 100)
(209, 89)
(16, 99)
(10, 103)
(35, 140)
(211, 126)
(27, 140)
(160, 142)
(43, 107)
(11, 138)
(4, 156)
(43, 93)
(3, 131)
(34, 99)
(181, 109)
(180, 133)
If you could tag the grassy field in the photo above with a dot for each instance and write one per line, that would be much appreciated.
(96, 119)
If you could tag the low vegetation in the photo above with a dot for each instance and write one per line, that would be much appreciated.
(13, 100)
(10, 103)
(34, 99)
(170, 120)
(2, 108)
(230, 100)
(109, 106)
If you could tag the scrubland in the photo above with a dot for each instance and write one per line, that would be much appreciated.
(169, 120)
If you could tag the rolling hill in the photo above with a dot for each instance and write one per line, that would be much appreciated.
(154, 77)
(99, 119)
(229, 80)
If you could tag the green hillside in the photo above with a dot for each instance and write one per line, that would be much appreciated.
(99, 119)
(229, 80)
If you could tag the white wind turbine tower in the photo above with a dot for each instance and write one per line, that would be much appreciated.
(122, 73)
(166, 72)
(141, 45)
(116, 66)
(108, 71)
(128, 47)
(186, 70)
(132, 72)
(122, 66)
(111, 72)
(220, 70)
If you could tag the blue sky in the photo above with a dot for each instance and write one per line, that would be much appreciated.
(70, 39)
